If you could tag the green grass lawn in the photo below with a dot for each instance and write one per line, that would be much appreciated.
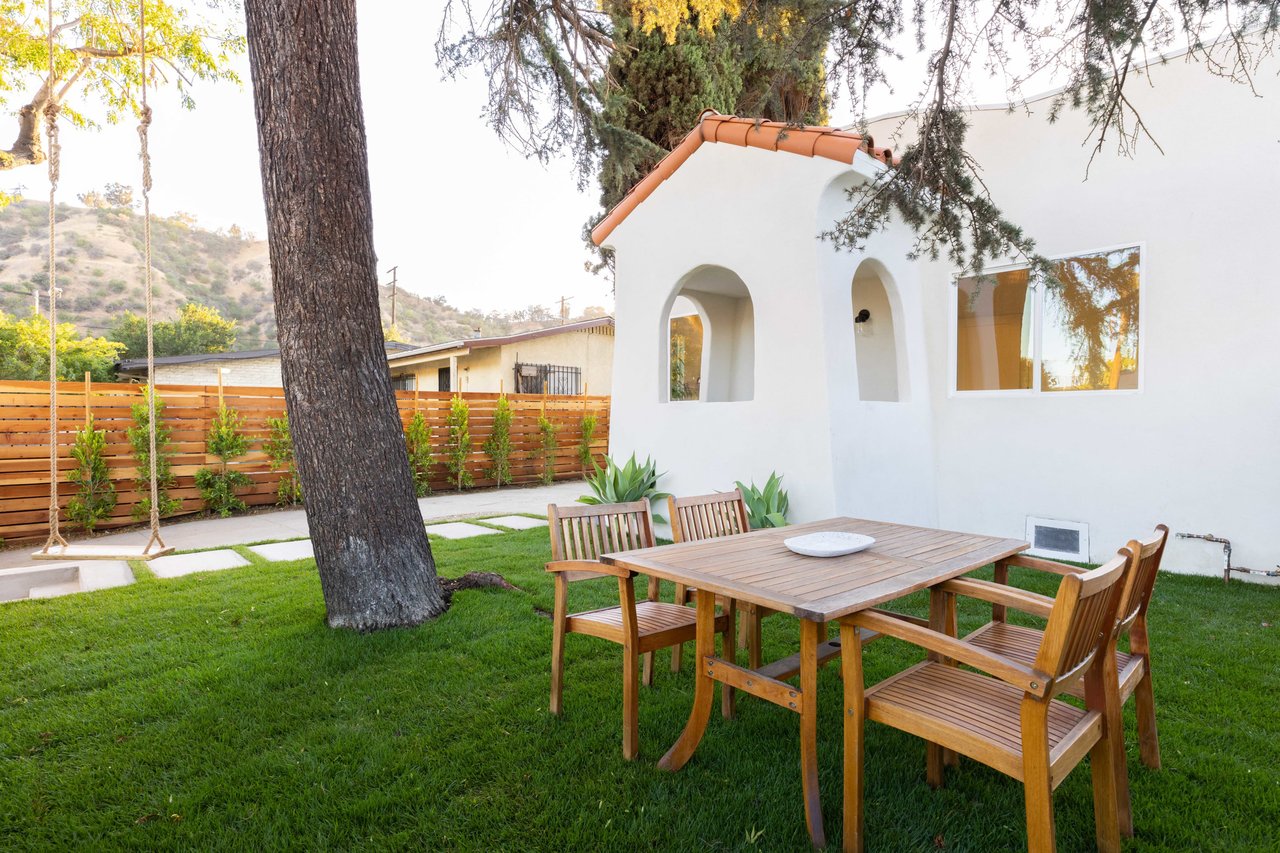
(217, 711)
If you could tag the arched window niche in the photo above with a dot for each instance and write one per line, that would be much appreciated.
(709, 327)
(875, 335)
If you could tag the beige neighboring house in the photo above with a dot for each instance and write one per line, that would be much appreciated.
(576, 358)
(259, 368)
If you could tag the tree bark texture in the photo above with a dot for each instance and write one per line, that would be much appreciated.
(371, 547)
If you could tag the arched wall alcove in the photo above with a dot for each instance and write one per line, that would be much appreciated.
(708, 326)
(878, 336)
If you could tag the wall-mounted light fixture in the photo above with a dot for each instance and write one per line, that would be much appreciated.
(862, 323)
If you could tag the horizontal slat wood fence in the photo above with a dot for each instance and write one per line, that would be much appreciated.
(189, 410)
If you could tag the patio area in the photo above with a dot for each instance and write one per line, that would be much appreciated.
(217, 711)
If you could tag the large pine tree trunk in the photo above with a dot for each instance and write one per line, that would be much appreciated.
(371, 548)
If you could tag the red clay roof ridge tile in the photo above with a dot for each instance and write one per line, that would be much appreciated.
(806, 140)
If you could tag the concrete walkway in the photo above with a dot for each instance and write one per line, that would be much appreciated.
(292, 524)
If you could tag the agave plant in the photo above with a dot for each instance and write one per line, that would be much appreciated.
(767, 508)
(631, 482)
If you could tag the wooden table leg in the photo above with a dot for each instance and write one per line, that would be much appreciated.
(754, 637)
(942, 618)
(703, 686)
(999, 613)
(727, 693)
(810, 636)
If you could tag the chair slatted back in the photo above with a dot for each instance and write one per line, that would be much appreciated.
(708, 516)
(1083, 616)
(587, 532)
(1141, 580)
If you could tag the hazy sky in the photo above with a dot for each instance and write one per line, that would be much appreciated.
(459, 213)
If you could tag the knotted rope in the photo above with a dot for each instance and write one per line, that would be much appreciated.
(55, 154)
(143, 128)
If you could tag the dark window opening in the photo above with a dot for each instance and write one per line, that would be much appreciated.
(442, 379)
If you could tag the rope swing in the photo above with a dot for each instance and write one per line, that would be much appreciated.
(65, 551)
(144, 127)
(55, 154)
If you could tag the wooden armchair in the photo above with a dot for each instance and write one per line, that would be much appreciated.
(701, 517)
(1011, 722)
(1129, 674)
(579, 535)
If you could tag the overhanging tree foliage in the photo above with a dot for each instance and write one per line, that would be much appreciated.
(96, 47)
(558, 82)
(664, 79)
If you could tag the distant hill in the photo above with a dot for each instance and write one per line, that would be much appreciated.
(100, 274)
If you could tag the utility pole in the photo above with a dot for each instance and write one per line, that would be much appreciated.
(564, 309)
(393, 293)
(35, 294)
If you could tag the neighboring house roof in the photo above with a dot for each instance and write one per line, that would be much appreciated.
(829, 142)
(502, 340)
(130, 365)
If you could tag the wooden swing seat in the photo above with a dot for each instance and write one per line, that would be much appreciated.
(102, 552)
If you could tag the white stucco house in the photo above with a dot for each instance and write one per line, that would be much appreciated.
(993, 408)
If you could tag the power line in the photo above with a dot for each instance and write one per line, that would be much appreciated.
(393, 293)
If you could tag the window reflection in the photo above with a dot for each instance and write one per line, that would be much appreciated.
(993, 332)
(686, 357)
(1087, 335)
(1090, 327)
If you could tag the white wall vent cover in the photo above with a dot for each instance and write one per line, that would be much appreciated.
(1057, 539)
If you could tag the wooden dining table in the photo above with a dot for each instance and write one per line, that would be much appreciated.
(757, 568)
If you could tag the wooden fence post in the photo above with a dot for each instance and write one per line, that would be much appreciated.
(88, 384)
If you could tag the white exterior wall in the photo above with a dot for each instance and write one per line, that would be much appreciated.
(1196, 447)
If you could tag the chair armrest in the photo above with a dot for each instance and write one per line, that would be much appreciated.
(998, 593)
(1039, 565)
(578, 570)
(914, 620)
(1022, 677)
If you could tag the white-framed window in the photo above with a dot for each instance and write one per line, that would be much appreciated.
(1011, 335)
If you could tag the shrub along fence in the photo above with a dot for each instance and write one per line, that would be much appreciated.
(188, 413)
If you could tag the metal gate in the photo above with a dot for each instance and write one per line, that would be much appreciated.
(553, 378)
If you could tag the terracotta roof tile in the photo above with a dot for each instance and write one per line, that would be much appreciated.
(807, 141)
